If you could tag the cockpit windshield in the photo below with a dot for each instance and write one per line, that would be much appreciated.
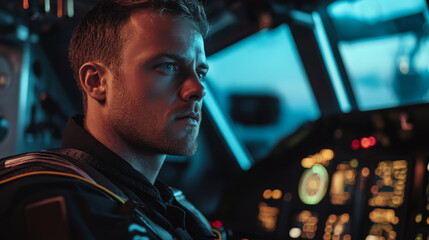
(374, 51)
(261, 83)
(384, 48)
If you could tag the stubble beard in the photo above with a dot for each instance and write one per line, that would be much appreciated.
(157, 143)
(150, 136)
(147, 136)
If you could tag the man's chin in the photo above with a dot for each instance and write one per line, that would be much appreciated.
(185, 150)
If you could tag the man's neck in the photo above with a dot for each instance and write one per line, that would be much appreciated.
(146, 162)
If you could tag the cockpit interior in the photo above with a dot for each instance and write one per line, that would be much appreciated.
(315, 123)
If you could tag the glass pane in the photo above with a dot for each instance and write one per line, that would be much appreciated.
(261, 83)
(384, 47)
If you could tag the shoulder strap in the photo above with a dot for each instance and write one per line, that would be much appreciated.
(60, 166)
(80, 159)
(47, 158)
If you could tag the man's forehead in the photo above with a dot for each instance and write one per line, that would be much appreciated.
(142, 17)
(149, 33)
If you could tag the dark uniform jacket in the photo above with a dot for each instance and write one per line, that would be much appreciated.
(85, 191)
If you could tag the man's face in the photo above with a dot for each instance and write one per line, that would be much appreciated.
(156, 101)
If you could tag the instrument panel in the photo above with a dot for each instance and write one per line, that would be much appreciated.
(358, 176)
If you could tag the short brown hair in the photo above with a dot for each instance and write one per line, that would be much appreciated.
(98, 35)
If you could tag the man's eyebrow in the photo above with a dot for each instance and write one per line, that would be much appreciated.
(179, 58)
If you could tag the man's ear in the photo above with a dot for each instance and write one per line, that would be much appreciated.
(93, 80)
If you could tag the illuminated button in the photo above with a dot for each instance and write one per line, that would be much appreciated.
(277, 194)
(25, 4)
(419, 218)
(217, 224)
(307, 162)
(332, 218)
(365, 172)
(313, 184)
(374, 190)
(372, 141)
(339, 228)
(267, 194)
(392, 235)
(365, 143)
(395, 221)
(327, 154)
(295, 232)
(354, 163)
(345, 218)
(355, 144)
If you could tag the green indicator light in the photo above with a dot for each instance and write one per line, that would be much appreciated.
(354, 163)
(313, 185)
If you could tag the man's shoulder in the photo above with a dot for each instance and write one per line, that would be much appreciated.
(43, 163)
(46, 187)
(46, 173)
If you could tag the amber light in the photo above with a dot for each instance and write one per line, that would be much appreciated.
(365, 172)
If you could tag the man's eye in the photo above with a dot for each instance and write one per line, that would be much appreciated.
(167, 68)
(202, 76)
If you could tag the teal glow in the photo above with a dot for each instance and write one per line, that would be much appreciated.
(237, 149)
(330, 63)
(23, 95)
(70, 8)
(313, 192)
(319, 169)
(47, 6)
(373, 11)
(389, 70)
(265, 63)
(22, 32)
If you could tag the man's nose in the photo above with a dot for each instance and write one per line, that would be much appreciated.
(192, 89)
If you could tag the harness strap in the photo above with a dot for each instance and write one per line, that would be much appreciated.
(64, 175)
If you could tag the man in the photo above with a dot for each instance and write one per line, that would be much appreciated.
(140, 66)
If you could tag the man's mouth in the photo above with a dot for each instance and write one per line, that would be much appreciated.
(190, 118)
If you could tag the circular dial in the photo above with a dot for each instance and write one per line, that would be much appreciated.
(313, 184)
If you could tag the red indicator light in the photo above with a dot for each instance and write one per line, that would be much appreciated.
(25, 4)
(372, 141)
(355, 144)
(217, 224)
(365, 143)
(374, 190)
